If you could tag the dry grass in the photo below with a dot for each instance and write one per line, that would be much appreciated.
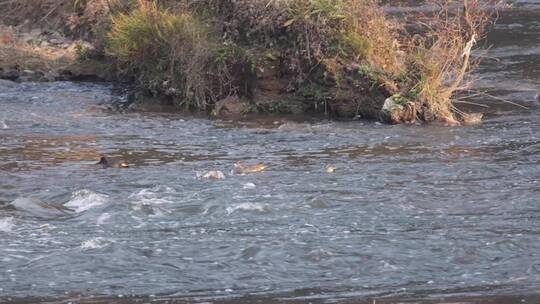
(197, 52)
(168, 51)
(343, 41)
(175, 55)
(314, 31)
(440, 60)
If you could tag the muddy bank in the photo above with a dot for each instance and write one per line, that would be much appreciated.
(41, 54)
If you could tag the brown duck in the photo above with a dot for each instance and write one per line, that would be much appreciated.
(106, 163)
(241, 168)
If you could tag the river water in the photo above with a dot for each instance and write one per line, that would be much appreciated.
(411, 211)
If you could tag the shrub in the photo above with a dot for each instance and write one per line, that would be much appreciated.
(335, 46)
(167, 51)
(440, 61)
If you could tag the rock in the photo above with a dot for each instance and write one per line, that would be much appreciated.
(51, 76)
(390, 105)
(7, 84)
(228, 106)
(89, 70)
(391, 111)
(38, 208)
(397, 110)
(56, 41)
(10, 74)
(29, 75)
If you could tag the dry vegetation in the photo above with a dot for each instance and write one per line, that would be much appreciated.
(339, 56)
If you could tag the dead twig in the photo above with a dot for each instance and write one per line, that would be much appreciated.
(50, 12)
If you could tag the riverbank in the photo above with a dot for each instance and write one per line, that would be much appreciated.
(287, 300)
(344, 59)
(40, 55)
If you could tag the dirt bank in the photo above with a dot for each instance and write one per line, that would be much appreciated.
(342, 58)
(48, 40)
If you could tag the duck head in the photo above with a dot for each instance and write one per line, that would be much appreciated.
(103, 161)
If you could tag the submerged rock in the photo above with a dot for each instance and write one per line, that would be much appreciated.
(7, 84)
(38, 208)
(9, 74)
(228, 106)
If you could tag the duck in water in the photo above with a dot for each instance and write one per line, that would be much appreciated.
(241, 168)
(105, 163)
(472, 119)
(331, 168)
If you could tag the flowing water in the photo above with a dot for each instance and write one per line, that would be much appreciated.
(411, 211)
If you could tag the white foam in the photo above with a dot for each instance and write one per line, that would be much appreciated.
(155, 191)
(95, 243)
(102, 219)
(249, 186)
(211, 175)
(151, 197)
(7, 224)
(84, 200)
(3, 124)
(254, 207)
(153, 200)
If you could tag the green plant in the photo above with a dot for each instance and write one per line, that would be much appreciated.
(79, 5)
(82, 52)
(168, 51)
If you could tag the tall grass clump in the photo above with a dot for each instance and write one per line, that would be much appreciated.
(347, 51)
(440, 61)
(313, 32)
(168, 52)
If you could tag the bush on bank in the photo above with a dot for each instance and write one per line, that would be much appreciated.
(342, 57)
